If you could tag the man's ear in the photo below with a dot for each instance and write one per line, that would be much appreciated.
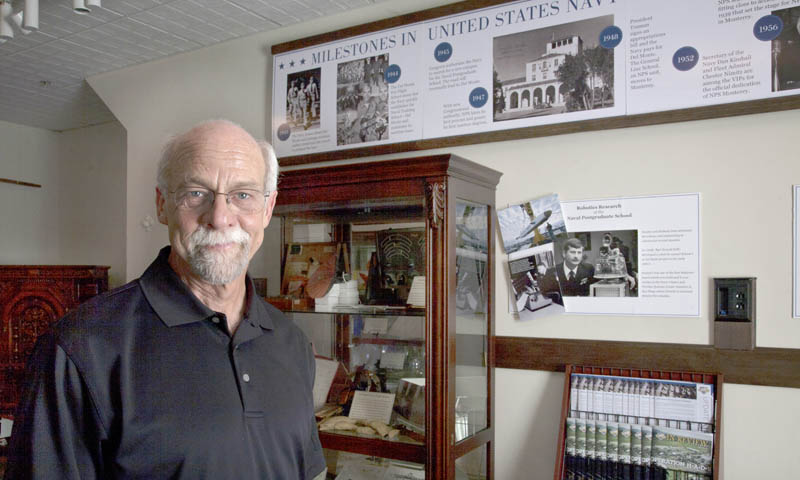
(161, 201)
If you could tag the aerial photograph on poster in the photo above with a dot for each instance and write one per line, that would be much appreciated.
(535, 222)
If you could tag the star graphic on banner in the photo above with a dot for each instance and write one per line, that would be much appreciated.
(281, 66)
(302, 61)
(291, 64)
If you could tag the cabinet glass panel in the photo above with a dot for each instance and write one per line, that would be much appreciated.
(354, 281)
(353, 466)
(472, 465)
(472, 327)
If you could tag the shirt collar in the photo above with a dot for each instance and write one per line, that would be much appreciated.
(567, 270)
(176, 305)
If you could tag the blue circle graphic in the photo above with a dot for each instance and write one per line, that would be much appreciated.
(284, 131)
(478, 97)
(610, 37)
(685, 58)
(392, 74)
(442, 52)
(768, 28)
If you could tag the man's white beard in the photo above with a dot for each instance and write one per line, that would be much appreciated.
(215, 267)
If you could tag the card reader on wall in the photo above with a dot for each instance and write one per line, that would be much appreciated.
(735, 313)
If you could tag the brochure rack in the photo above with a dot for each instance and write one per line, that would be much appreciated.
(715, 379)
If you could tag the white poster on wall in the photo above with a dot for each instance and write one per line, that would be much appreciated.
(530, 63)
(686, 53)
(629, 256)
(796, 247)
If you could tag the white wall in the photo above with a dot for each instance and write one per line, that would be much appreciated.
(76, 217)
(93, 190)
(744, 168)
(29, 216)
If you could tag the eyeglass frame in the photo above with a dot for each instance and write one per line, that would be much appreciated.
(214, 193)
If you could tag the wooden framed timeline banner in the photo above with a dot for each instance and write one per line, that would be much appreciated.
(484, 71)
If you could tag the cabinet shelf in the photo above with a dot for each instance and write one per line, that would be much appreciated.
(367, 445)
(387, 341)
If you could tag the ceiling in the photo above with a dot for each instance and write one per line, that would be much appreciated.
(42, 73)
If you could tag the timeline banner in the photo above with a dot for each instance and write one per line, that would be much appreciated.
(531, 63)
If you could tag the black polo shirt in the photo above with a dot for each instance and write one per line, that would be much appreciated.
(146, 382)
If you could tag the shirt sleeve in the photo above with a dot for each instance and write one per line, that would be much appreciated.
(56, 431)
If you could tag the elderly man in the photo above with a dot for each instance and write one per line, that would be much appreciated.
(184, 372)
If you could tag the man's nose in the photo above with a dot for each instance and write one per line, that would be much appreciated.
(219, 214)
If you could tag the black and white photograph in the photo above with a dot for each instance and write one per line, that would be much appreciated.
(303, 99)
(786, 51)
(527, 268)
(608, 270)
(553, 70)
(362, 101)
(535, 222)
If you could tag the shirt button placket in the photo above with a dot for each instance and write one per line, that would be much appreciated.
(244, 377)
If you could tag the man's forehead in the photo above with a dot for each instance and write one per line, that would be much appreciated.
(221, 138)
(233, 151)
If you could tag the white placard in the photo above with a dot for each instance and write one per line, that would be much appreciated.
(372, 406)
(6, 425)
(530, 63)
(416, 294)
(325, 373)
(662, 264)
(375, 325)
(393, 360)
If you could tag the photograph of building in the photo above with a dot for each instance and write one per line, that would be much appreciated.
(552, 70)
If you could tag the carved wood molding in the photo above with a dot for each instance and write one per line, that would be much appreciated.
(435, 196)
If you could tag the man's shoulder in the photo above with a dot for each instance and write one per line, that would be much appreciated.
(95, 317)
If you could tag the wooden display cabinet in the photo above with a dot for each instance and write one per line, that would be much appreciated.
(393, 223)
(32, 297)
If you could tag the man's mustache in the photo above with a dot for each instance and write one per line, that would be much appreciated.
(204, 237)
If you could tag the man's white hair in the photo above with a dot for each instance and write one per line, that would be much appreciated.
(172, 149)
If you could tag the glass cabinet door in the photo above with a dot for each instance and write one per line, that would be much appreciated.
(472, 333)
(354, 281)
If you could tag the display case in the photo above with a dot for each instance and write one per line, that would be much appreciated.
(388, 268)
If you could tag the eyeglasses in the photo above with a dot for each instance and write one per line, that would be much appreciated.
(201, 199)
